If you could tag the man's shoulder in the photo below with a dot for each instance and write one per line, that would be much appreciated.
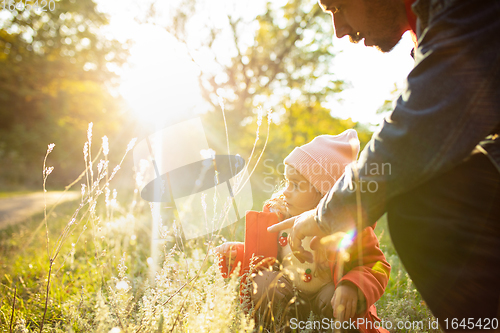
(427, 10)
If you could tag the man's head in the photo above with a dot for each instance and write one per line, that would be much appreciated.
(381, 23)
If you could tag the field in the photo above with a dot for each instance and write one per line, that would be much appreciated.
(101, 281)
(91, 266)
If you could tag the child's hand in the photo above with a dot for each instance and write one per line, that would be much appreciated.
(229, 251)
(281, 211)
(345, 301)
(277, 205)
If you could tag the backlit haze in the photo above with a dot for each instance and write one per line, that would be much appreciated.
(160, 84)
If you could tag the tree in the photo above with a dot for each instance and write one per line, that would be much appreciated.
(282, 53)
(55, 74)
(279, 59)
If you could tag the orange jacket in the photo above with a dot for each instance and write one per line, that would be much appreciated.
(368, 270)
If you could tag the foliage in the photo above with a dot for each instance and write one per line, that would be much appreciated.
(111, 289)
(104, 277)
(283, 52)
(87, 292)
(101, 283)
(55, 71)
(278, 60)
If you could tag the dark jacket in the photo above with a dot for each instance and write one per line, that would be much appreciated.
(450, 108)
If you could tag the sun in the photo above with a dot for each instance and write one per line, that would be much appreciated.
(161, 83)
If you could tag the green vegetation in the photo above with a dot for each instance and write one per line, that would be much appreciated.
(284, 68)
(95, 256)
(102, 279)
(13, 194)
(54, 80)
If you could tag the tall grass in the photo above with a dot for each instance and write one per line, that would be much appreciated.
(93, 277)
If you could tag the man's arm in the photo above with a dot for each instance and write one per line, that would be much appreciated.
(452, 102)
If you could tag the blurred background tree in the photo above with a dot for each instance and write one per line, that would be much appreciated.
(279, 60)
(56, 75)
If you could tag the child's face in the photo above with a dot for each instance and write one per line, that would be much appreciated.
(300, 195)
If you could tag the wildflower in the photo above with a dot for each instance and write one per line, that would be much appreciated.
(131, 144)
(86, 150)
(259, 117)
(105, 145)
(221, 101)
(122, 285)
(203, 201)
(107, 191)
(115, 170)
(101, 165)
(89, 133)
(48, 171)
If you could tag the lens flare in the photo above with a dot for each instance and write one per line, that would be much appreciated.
(347, 240)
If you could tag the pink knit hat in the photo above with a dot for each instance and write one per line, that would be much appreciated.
(323, 160)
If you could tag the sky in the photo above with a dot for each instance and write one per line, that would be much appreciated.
(160, 82)
(373, 77)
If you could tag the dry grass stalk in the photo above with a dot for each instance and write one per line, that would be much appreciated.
(13, 308)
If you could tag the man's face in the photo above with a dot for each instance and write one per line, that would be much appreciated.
(381, 23)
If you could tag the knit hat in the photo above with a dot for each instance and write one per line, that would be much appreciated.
(323, 160)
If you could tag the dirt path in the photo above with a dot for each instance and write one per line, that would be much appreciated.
(18, 208)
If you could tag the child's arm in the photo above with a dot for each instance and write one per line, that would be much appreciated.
(230, 254)
(367, 269)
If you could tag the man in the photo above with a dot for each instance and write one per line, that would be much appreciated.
(442, 194)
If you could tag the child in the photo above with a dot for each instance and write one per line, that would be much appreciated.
(352, 285)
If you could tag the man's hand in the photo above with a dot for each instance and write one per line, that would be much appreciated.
(345, 301)
(229, 251)
(302, 226)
